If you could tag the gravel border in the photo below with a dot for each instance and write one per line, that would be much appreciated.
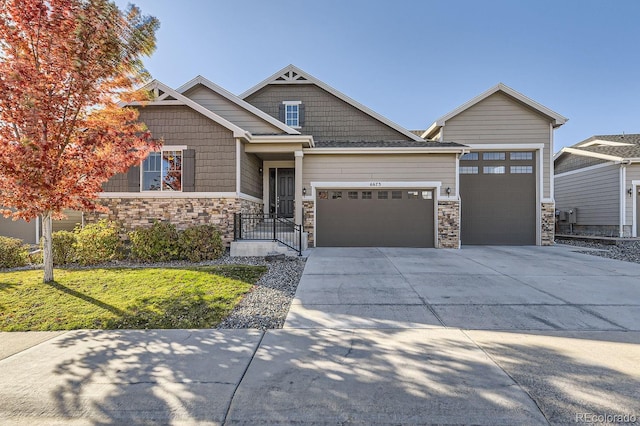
(628, 251)
(264, 307)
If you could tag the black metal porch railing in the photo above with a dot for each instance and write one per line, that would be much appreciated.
(268, 227)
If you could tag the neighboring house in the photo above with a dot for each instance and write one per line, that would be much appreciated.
(30, 232)
(296, 147)
(597, 181)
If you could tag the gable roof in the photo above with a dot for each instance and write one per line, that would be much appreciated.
(166, 95)
(236, 100)
(557, 119)
(607, 147)
(294, 75)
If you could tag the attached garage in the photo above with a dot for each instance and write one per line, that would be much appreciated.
(498, 198)
(375, 217)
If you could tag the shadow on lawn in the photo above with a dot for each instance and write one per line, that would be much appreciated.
(56, 285)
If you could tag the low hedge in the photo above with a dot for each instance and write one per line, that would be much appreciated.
(13, 253)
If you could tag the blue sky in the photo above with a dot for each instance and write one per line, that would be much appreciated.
(414, 61)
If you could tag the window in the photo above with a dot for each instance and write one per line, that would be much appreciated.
(336, 195)
(468, 170)
(470, 156)
(323, 195)
(383, 195)
(396, 195)
(412, 195)
(162, 171)
(352, 195)
(427, 195)
(493, 156)
(292, 113)
(366, 195)
(493, 170)
(521, 156)
(521, 169)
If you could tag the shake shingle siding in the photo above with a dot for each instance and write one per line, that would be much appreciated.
(594, 192)
(326, 116)
(215, 146)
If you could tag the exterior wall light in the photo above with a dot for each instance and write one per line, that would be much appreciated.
(448, 190)
(630, 192)
(304, 191)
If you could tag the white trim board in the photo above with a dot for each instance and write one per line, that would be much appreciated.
(170, 194)
(277, 78)
(385, 150)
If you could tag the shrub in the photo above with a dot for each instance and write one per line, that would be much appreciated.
(159, 243)
(63, 247)
(97, 242)
(13, 252)
(201, 242)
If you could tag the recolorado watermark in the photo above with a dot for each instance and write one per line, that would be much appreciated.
(605, 418)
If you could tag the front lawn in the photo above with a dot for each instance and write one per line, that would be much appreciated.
(198, 297)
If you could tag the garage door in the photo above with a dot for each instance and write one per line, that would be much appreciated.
(375, 218)
(498, 195)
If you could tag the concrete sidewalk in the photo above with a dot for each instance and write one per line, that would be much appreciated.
(375, 336)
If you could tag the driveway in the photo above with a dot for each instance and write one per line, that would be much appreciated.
(482, 335)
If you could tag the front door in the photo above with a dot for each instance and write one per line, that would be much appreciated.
(282, 192)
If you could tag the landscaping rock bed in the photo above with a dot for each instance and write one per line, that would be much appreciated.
(628, 251)
(267, 305)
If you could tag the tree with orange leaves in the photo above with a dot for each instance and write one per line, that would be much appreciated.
(64, 66)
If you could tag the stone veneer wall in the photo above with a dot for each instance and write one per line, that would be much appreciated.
(449, 224)
(183, 212)
(308, 218)
(548, 220)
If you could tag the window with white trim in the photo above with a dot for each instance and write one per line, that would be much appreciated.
(468, 170)
(292, 113)
(518, 170)
(162, 171)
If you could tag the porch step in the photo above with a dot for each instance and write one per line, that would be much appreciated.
(259, 248)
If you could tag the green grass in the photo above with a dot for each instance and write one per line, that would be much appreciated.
(198, 297)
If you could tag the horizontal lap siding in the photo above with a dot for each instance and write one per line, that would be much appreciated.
(326, 116)
(215, 146)
(230, 111)
(500, 119)
(384, 168)
(595, 194)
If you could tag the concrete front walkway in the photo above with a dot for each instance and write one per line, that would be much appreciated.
(482, 335)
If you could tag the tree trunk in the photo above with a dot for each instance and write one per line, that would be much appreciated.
(47, 248)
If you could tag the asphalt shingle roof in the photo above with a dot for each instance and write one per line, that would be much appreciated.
(629, 151)
(387, 144)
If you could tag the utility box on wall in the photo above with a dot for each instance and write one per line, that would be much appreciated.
(573, 215)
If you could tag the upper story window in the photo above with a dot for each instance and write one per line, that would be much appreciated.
(162, 171)
(292, 113)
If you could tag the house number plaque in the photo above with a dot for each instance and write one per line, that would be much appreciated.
(375, 183)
